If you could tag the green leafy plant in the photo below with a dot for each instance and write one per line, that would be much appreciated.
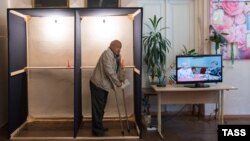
(217, 38)
(184, 51)
(156, 46)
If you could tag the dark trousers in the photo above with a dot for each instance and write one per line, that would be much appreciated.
(98, 102)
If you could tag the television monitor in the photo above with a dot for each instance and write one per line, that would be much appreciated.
(198, 70)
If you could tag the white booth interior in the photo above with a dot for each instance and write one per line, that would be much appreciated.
(51, 45)
(50, 63)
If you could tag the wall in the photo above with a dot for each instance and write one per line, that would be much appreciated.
(72, 3)
(129, 3)
(28, 3)
(19, 3)
(236, 101)
(3, 63)
(237, 74)
(77, 3)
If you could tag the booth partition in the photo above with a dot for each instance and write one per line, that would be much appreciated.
(52, 53)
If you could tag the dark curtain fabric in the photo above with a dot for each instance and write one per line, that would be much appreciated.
(77, 76)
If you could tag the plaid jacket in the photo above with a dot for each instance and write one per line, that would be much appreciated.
(107, 72)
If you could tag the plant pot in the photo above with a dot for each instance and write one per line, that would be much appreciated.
(161, 85)
(159, 81)
(162, 81)
(153, 81)
(146, 121)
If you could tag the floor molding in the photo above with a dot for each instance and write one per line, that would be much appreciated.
(236, 116)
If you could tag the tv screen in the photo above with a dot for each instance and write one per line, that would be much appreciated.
(199, 69)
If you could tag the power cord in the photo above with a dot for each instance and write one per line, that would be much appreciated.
(177, 113)
(213, 116)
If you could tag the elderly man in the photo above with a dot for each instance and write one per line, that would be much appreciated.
(185, 71)
(107, 74)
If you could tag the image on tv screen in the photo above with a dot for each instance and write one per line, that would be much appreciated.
(200, 68)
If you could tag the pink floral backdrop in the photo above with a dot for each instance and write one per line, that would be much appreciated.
(232, 17)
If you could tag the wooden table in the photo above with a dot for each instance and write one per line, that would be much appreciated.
(178, 94)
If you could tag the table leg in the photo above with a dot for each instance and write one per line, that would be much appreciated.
(222, 107)
(219, 106)
(159, 114)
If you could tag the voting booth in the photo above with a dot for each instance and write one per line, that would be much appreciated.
(52, 54)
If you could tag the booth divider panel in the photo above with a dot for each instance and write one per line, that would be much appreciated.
(18, 103)
(138, 62)
(138, 40)
(77, 76)
(137, 98)
(17, 98)
(17, 42)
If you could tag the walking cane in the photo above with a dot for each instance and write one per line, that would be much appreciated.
(125, 107)
(117, 105)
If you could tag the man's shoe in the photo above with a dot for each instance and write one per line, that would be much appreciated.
(98, 134)
(105, 129)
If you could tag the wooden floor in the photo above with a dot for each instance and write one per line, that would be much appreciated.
(64, 130)
(175, 128)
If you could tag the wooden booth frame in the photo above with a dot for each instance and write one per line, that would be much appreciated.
(50, 3)
(19, 71)
(103, 3)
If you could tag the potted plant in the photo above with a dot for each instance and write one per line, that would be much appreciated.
(156, 46)
(184, 51)
(217, 38)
